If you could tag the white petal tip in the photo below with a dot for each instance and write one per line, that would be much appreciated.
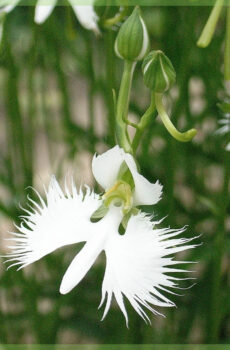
(63, 290)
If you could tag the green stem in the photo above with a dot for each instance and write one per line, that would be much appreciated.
(15, 120)
(91, 86)
(179, 136)
(144, 122)
(208, 31)
(110, 83)
(116, 19)
(122, 107)
(227, 48)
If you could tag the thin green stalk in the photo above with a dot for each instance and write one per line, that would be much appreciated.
(227, 48)
(116, 19)
(91, 77)
(110, 82)
(45, 111)
(209, 29)
(179, 136)
(31, 117)
(144, 122)
(123, 105)
(16, 126)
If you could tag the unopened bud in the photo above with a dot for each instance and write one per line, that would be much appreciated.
(132, 40)
(159, 74)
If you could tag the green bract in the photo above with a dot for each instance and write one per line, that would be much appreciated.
(159, 74)
(132, 40)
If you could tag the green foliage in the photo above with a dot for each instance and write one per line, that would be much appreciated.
(42, 70)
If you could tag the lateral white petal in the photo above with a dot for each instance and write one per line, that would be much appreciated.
(84, 260)
(228, 147)
(86, 16)
(137, 264)
(42, 12)
(106, 166)
(145, 193)
(63, 219)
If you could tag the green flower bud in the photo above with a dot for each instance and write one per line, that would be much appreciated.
(132, 40)
(159, 74)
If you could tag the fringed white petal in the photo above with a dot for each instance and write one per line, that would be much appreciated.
(93, 247)
(138, 263)
(63, 219)
(106, 167)
(225, 125)
(86, 16)
(42, 11)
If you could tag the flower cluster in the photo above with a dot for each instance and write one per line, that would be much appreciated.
(137, 262)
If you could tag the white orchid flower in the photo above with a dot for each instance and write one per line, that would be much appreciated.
(84, 13)
(137, 263)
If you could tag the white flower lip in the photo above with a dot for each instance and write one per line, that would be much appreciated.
(81, 264)
(93, 247)
(105, 169)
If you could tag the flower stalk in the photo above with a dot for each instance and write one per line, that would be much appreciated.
(179, 136)
(144, 122)
(123, 105)
(209, 29)
(110, 22)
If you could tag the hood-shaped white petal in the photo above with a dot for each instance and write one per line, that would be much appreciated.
(145, 192)
(63, 219)
(86, 16)
(84, 260)
(106, 167)
(137, 264)
(42, 11)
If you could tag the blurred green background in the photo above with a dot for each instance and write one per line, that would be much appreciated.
(56, 111)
